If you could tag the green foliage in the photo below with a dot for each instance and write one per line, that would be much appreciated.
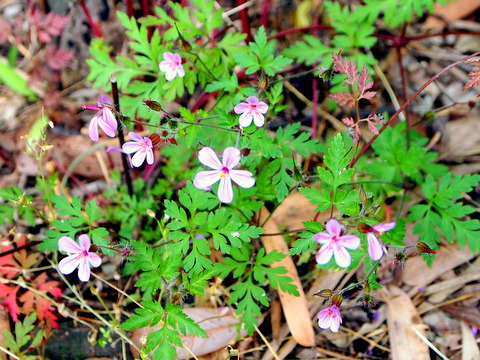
(262, 56)
(397, 12)
(334, 191)
(15, 201)
(171, 321)
(74, 221)
(252, 271)
(22, 339)
(444, 215)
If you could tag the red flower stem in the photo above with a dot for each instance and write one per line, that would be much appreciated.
(121, 137)
(395, 115)
(245, 21)
(97, 32)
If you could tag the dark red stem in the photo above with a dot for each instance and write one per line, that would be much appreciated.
(245, 21)
(97, 32)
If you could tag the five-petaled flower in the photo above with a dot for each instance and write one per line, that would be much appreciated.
(141, 146)
(78, 256)
(222, 171)
(375, 246)
(330, 318)
(104, 118)
(252, 109)
(334, 243)
(172, 66)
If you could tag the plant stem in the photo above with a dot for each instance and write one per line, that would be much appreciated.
(121, 138)
(395, 115)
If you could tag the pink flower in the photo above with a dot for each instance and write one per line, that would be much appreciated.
(375, 246)
(104, 118)
(334, 243)
(330, 318)
(141, 146)
(78, 256)
(251, 109)
(172, 66)
(222, 171)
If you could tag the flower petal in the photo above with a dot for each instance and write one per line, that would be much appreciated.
(180, 71)
(84, 270)
(231, 157)
(85, 242)
(150, 157)
(375, 247)
(245, 119)
(342, 257)
(322, 238)
(69, 245)
(225, 191)
(208, 157)
(130, 147)
(262, 107)
(242, 178)
(384, 227)
(69, 264)
(205, 179)
(351, 242)
(333, 227)
(93, 128)
(102, 100)
(94, 259)
(108, 123)
(138, 158)
(252, 100)
(241, 108)
(324, 254)
(135, 137)
(258, 119)
(170, 74)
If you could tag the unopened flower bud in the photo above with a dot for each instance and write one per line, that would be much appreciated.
(186, 46)
(337, 299)
(154, 105)
(262, 85)
(423, 248)
(155, 138)
(245, 152)
(364, 228)
(325, 293)
(363, 194)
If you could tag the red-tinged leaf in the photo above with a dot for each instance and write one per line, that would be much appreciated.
(363, 83)
(58, 58)
(8, 266)
(24, 259)
(27, 299)
(368, 94)
(343, 66)
(348, 121)
(50, 286)
(4, 290)
(343, 98)
(54, 23)
(11, 303)
(474, 79)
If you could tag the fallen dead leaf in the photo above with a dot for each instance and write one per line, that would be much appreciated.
(402, 318)
(470, 349)
(294, 307)
(445, 14)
